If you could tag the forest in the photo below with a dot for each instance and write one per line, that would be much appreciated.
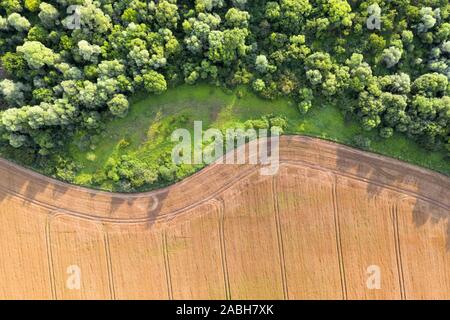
(70, 66)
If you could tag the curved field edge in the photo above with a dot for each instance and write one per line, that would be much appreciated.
(329, 213)
(145, 133)
(165, 204)
(146, 130)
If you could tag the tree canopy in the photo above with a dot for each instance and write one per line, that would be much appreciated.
(73, 64)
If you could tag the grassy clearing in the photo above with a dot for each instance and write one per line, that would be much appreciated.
(145, 133)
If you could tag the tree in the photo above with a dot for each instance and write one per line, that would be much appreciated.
(38, 33)
(87, 95)
(93, 19)
(167, 14)
(428, 18)
(17, 140)
(237, 18)
(259, 85)
(339, 12)
(89, 52)
(306, 96)
(261, 63)
(37, 55)
(11, 6)
(139, 54)
(430, 84)
(360, 72)
(3, 24)
(273, 11)
(227, 46)
(198, 29)
(298, 50)
(370, 109)
(319, 60)
(386, 132)
(391, 56)
(394, 106)
(376, 42)
(202, 5)
(446, 46)
(14, 64)
(314, 76)
(443, 32)
(48, 14)
(110, 68)
(293, 14)
(18, 22)
(118, 105)
(154, 82)
(407, 36)
(42, 95)
(396, 83)
(32, 5)
(130, 15)
(13, 92)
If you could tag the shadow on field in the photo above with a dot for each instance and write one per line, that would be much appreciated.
(31, 188)
(428, 192)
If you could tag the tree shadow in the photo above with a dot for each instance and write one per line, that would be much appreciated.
(428, 192)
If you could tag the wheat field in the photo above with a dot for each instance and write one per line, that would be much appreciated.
(315, 230)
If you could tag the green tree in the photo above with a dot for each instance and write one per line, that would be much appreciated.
(37, 55)
(154, 82)
(48, 14)
(167, 14)
(18, 22)
(14, 64)
(32, 5)
(118, 105)
(391, 56)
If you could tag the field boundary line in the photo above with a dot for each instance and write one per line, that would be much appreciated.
(309, 142)
(210, 173)
(246, 173)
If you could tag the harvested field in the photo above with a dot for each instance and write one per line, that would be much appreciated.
(316, 230)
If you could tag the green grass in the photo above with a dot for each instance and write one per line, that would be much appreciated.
(145, 133)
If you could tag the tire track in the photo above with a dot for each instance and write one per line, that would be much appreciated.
(401, 278)
(112, 289)
(223, 254)
(51, 268)
(214, 197)
(181, 211)
(378, 184)
(167, 265)
(280, 239)
(310, 144)
(163, 217)
(338, 240)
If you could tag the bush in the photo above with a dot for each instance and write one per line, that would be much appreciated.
(362, 142)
